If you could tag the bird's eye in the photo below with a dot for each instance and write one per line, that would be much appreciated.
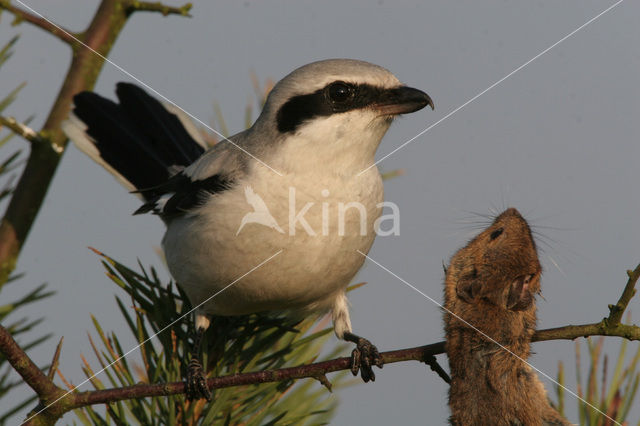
(495, 234)
(340, 92)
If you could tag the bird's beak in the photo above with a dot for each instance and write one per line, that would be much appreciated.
(402, 100)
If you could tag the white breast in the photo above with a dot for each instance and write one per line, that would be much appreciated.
(317, 257)
(205, 255)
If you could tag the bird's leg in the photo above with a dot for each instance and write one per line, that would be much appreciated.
(363, 357)
(196, 383)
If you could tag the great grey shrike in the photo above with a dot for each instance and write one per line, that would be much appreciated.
(318, 131)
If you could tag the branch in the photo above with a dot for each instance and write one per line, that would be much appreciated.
(318, 369)
(48, 391)
(20, 129)
(426, 354)
(570, 332)
(70, 38)
(313, 371)
(616, 311)
(38, 21)
(21, 362)
(147, 6)
(44, 158)
(30, 373)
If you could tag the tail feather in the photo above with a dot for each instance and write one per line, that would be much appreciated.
(137, 140)
(159, 125)
(188, 124)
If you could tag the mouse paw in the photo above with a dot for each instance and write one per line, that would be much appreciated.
(363, 358)
(196, 382)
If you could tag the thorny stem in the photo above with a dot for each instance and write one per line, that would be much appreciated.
(82, 74)
(147, 6)
(616, 311)
(20, 129)
(42, 385)
(26, 16)
(48, 391)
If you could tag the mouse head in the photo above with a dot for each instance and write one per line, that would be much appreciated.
(500, 266)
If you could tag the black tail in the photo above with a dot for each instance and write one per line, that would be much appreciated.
(139, 139)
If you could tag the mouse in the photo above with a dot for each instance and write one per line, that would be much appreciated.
(490, 318)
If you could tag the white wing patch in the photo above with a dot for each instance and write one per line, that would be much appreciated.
(162, 201)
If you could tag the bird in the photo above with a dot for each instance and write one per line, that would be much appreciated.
(313, 145)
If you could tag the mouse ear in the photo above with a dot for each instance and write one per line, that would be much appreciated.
(468, 289)
(519, 296)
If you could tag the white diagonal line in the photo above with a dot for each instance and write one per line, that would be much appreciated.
(104, 58)
(155, 334)
(493, 85)
(490, 338)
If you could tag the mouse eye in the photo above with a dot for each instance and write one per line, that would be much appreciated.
(340, 92)
(495, 234)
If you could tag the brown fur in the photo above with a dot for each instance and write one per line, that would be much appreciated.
(486, 285)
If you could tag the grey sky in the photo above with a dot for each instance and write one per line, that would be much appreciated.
(557, 140)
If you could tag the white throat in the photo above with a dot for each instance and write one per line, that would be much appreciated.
(342, 144)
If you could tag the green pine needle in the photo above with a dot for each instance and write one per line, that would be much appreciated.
(233, 345)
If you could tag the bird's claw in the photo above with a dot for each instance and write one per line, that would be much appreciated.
(196, 383)
(363, 357)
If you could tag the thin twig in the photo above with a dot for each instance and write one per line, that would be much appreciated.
(319, 369)
(147, 6)
(20, 129)
(604, 328)
(432, 362)
(21, 362)
(616, 311)
(48, 391)
(570, 332)
(315, 370)
(24, 15)
(322, 378)
(89, 50)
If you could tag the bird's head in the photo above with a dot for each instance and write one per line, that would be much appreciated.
(336, 108)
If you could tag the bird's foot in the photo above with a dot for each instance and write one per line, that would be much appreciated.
(196, 383)
(363, 357)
